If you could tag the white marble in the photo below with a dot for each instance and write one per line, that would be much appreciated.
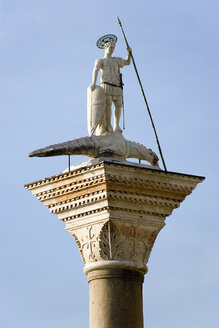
(111, 84)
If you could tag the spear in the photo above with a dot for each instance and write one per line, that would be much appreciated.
(145, 100)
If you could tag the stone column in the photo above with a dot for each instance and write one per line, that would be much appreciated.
(114, 211)
(116, 298)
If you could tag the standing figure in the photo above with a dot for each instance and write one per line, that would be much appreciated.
(111, 82)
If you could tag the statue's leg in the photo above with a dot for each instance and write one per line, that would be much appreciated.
(117, 113)
(108, 113)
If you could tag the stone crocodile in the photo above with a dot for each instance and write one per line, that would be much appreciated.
(109, 145)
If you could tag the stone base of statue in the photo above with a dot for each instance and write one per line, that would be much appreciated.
(114, 211)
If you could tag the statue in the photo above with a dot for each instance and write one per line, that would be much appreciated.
(109, 141)
(100, 98)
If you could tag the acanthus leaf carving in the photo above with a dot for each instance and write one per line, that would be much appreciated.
(105, 241)
(116, 242)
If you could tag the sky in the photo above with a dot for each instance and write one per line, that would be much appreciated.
(48, 49)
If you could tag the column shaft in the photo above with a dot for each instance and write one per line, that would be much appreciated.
(116, 298)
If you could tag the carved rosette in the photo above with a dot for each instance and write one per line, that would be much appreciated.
(114, 211)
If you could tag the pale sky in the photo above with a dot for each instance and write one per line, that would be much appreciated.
(48, 49)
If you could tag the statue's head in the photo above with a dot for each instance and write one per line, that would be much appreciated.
(109, 47)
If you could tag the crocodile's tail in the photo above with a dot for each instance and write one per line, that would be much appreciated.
(82, 146)
(137, 150)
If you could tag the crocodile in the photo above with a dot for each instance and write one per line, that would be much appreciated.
(112, 145)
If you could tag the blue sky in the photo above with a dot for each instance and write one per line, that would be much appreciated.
(47, 55)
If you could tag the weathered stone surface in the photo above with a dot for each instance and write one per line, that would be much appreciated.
(116, 298)
(111, 144)
(113, 211)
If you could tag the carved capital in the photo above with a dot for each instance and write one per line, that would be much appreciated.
(114, 211)
(114, 243)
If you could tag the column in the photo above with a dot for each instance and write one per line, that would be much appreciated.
(114, 211)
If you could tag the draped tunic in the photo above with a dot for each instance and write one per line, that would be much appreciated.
(110, 68)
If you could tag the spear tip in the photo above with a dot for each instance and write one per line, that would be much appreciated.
(119, 21)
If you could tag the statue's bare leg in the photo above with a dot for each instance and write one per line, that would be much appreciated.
(108, 113)
(117, 114)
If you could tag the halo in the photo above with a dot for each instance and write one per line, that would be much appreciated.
(106, 38)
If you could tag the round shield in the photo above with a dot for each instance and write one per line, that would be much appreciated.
(105, 39)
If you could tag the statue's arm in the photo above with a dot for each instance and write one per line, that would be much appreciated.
(128, 57)
(96, 69)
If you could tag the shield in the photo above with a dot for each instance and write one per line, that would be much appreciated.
(95, 107)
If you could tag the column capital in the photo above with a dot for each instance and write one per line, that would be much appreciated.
(114, 211)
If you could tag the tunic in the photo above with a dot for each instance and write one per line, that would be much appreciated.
(110, 68)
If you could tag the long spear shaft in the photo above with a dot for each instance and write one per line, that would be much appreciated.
(142, 90)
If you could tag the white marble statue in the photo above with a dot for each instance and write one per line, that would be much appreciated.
(108, 142)
(100, 103)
